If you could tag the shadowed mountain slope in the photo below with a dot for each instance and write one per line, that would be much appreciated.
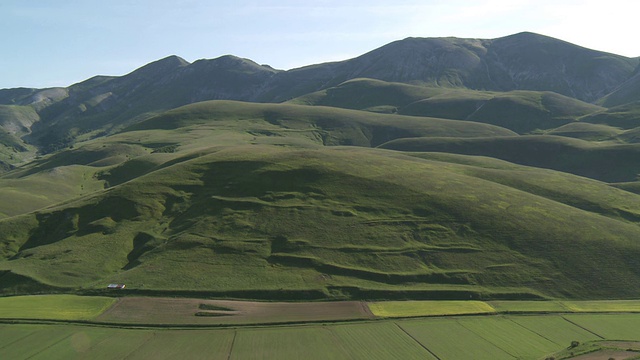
(520, 111)
(95, 108)
(626, 93)
(523, 61)
(605, 162)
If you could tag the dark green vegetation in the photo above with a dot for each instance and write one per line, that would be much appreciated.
(467, 177)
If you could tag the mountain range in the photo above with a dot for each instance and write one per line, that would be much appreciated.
(427, 168)
(51, 119)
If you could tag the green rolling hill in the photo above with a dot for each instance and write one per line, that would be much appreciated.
(262, 201)
(426, 169)
(530, 62)
(606, 162)
(520, 111)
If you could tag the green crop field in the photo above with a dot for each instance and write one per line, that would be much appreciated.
(359, 341)
(555, 328)
(609, 326)
(448, 339)
(76, 342)
(514, 337)
(191, 344)
(509, 336)
(34, 340)
(58, 307)
(380, 340)
(287, 343)
(455, 337)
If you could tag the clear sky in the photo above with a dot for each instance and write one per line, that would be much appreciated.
(60, 42)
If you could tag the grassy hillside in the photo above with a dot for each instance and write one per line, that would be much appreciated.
(606, 162)
(625, 94)
(323, 125)
(624, 116)
(519, 111)
(251, 200)
(589, 132)
(336, 221)
(369, 94)
(23, 194)
(114, 160)
(16, 121)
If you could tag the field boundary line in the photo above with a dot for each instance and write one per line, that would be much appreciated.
(178, 326)
(15, 341)
(110, 308)
(233, 342)
(535, 332)
(416, 340)
(149, 338)
(497, 346)
(365, 307)
(15, 321)
(50, 346)
(582, 327)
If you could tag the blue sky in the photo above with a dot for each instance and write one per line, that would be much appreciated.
(57, 43)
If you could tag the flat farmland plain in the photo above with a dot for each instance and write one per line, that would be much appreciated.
(555, 328)
(609, 326)
(462, 337)
(516, 336)
(169, 328)
(84, 342)
(380, 340)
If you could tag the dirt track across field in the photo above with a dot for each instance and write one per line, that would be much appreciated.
(178, 311)
(606, 355)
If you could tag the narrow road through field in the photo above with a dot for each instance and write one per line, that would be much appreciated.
(235, 333)
(583, 328)
(49, 347)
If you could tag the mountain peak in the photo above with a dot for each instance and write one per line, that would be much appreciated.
(164, 65)
(232, 61)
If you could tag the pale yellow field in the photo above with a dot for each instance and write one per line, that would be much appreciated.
(54, 307)
(429, 308)
(603, 306)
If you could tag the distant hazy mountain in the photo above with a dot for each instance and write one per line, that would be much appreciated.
(524, 61)
(626, 93)
(102, 105)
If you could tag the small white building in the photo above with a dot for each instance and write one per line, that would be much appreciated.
(116, 286)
